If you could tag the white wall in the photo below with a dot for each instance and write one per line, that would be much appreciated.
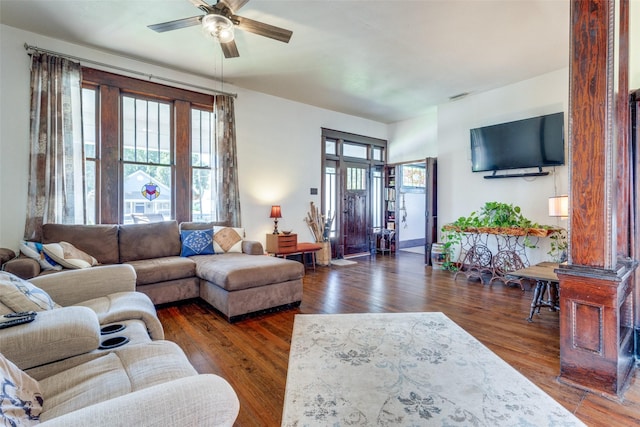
(278, 140)
(414, 227)
(461, 191)
(409, 141)
(279, 156)
(414, 139)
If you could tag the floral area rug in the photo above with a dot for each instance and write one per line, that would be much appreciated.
(411, 369)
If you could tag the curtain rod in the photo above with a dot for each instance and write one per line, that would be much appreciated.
(126, 70)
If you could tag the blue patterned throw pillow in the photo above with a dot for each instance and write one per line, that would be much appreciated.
(21, 295)
(197, 242)
(20, 397)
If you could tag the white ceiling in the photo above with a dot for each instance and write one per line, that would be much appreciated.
(382, 60)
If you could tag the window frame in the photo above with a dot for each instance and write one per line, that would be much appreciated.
(337, 158)
(109, 89)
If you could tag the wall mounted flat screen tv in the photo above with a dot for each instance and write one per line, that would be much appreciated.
(534, 142)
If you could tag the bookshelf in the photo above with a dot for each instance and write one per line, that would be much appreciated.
(388, 234)
(390, 198)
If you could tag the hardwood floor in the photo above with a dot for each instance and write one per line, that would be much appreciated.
(253, 354)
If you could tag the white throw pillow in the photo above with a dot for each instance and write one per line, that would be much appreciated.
(227, 239)
(20, 396)
(34, 250)
(21, 295)
(69, 256)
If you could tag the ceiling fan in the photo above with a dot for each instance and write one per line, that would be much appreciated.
(220, 20)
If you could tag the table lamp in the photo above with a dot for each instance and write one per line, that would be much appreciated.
(275, 214)
(559, 206)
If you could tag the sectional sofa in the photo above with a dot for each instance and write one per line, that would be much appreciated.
(236, 283)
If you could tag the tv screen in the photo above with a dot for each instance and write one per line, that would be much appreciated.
(528, 143)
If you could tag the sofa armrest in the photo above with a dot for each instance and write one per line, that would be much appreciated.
(252, 247)
(54, 335)
(199, 400)
(6, 254)
(23, 267)
(71, 287)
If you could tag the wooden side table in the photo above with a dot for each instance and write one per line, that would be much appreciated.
(546, 283)
(279, 243)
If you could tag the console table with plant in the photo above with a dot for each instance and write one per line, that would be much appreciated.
(513, 234)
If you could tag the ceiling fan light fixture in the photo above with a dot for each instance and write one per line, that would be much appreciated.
(218, 26)
(226, 35)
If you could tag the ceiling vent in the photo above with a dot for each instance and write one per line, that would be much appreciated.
(458, 96)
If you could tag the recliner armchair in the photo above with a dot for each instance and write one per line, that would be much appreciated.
(149, 384)
(73, 382)
(109, 291)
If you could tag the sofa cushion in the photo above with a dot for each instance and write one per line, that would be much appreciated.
(147, 241)
(233, 271)
(20, 398)
(21, 295)
(163, 269)
(101, 240)
(196, 242)
(69, 256)
(227, 239)
(35, 250)
(115, 374)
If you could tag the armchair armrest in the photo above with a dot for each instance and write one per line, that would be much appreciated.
(202, 400)
(54, 335)
(23, 267)
(71, 287)
(252, 247)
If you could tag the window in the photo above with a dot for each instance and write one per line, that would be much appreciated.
(356, 179)
(330, 193)
(89, 131)
(413, 178)
(354, 150)
(376, 197)
(149, 150)
(330, 146)
(377, 154)
(147, 157)
(202, 144)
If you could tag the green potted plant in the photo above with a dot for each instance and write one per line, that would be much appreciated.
(497, 218)
(559, 245)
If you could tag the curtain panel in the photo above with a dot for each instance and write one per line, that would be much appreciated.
(226, 177)
(56, 164)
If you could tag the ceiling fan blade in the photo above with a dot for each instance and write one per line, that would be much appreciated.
(230, 49)
(234, 5)
(262, 29)
(174, 25)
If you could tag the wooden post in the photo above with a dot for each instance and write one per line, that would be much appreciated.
(597, 285)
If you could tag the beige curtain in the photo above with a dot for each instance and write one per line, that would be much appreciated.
(226, 177)
(56, 164)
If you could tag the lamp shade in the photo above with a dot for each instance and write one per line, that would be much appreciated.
(275, 212)
(559, 206)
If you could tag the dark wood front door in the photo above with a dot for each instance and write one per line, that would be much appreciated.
(355, 212)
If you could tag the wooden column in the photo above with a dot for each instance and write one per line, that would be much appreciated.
(597, 285)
